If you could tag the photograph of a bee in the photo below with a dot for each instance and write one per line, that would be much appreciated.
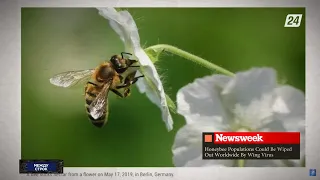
(116, 74)
(115, 87)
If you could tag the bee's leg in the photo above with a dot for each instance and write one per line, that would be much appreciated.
(124, 85)
(134, 80)
(132, 61)
(121, 78)
(127, 92)
(127, 84)
(117, 93)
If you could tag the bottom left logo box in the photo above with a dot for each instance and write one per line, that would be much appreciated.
(41, 166)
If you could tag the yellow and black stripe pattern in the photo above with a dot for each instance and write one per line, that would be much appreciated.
(91, 92)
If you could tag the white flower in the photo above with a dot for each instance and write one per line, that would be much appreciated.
(124, 25)
(250, 101)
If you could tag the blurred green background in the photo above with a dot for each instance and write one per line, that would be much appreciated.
(54, 123)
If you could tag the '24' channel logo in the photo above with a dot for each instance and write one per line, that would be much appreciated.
(293, 20)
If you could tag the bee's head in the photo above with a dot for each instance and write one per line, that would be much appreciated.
(116, 62)
(120, 64)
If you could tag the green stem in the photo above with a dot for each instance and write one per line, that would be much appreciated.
(193, 58)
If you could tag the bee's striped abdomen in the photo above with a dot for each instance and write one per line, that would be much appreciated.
(91, 92)
(98, 122)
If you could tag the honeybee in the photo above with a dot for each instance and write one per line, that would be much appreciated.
(109, 76)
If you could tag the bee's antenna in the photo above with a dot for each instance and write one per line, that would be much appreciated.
(122, 53)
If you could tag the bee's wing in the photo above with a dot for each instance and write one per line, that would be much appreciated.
(70, 78)
(99, 105)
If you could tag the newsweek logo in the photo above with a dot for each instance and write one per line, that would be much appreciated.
(251, 137)
(219, 137)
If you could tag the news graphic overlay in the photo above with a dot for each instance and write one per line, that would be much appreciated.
(251, 145)
(41, 166)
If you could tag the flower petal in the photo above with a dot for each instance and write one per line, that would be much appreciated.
(249, 85)
(257, 115)
(221, 81)
(289, 107)
(270, 125)
(152, 84)
(187, 147)
(200, 100)
(153, 88)
(125, 26)
(114, 20)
